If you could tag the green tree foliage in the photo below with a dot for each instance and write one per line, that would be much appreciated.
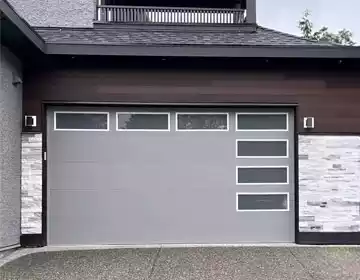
(343, 37)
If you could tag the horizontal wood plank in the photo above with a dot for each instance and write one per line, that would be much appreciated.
(333, 98)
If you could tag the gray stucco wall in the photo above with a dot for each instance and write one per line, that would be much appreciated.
(31, 183)
(57, 13)
(10, 162)
(329, 183)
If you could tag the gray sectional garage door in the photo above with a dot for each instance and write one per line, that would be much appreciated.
(143, 175)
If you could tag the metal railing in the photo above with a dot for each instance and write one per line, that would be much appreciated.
(168, 15)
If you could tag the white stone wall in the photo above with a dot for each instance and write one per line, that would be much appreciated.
(329, 183)
(31, 183)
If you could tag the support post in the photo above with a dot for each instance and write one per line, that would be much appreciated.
(251, 11)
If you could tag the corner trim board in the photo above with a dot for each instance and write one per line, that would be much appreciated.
(32, 240)
(328, 238)
(44, 216)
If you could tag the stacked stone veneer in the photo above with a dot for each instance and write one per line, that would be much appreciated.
(31, 183)
(329, 183)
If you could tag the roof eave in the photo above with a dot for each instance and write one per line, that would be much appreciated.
(22, 25)
(205, 51)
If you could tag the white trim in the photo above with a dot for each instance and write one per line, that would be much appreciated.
(262, 183)
(142, 113)
(262, 113)
(81, 112)
(202, 113)
(188, 104)
(263, 193)
(263, 140)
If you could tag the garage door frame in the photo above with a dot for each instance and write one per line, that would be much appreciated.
(42, 239)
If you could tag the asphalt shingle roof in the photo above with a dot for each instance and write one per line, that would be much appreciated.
(125, 37)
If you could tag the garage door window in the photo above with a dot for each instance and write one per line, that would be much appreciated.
(81, 121)
(259, 175)
(261, 121)
(261, 148)
(202, 122)
(262, 202)
(141, 121)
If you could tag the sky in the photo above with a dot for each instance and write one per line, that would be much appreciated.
(283, 15)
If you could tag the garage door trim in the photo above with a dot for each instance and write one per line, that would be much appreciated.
(262, 140)
(112, 125)
(265, 167)
(84, 113)
(261, 114)
(263, 193)
(202, 130)
(143, 129)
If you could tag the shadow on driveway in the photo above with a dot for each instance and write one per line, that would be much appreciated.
(240, 263)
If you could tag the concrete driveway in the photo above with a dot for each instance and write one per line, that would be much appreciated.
(190, 263)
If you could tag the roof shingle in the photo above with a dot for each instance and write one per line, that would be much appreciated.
(126, 37)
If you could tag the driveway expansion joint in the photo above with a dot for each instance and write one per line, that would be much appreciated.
(156, 258)
(302, 264)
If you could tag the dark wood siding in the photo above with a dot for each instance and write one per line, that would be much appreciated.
(332, 97)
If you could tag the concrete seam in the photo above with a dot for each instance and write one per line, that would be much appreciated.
(301, 264)
(156, 258)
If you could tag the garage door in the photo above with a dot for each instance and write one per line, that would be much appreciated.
(169, 175)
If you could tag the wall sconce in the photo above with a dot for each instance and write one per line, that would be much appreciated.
(30, 121)
(16, 80)
(309, 122)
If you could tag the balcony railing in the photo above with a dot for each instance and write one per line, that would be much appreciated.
(168, 15)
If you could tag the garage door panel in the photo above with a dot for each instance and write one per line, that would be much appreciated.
(85, 175)
(80, 175)
(141, 217)
(92, 202)
(196, 176)
(79, 146)
(143, 211)
(148, 187)
(174, 154)
(177, 147)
